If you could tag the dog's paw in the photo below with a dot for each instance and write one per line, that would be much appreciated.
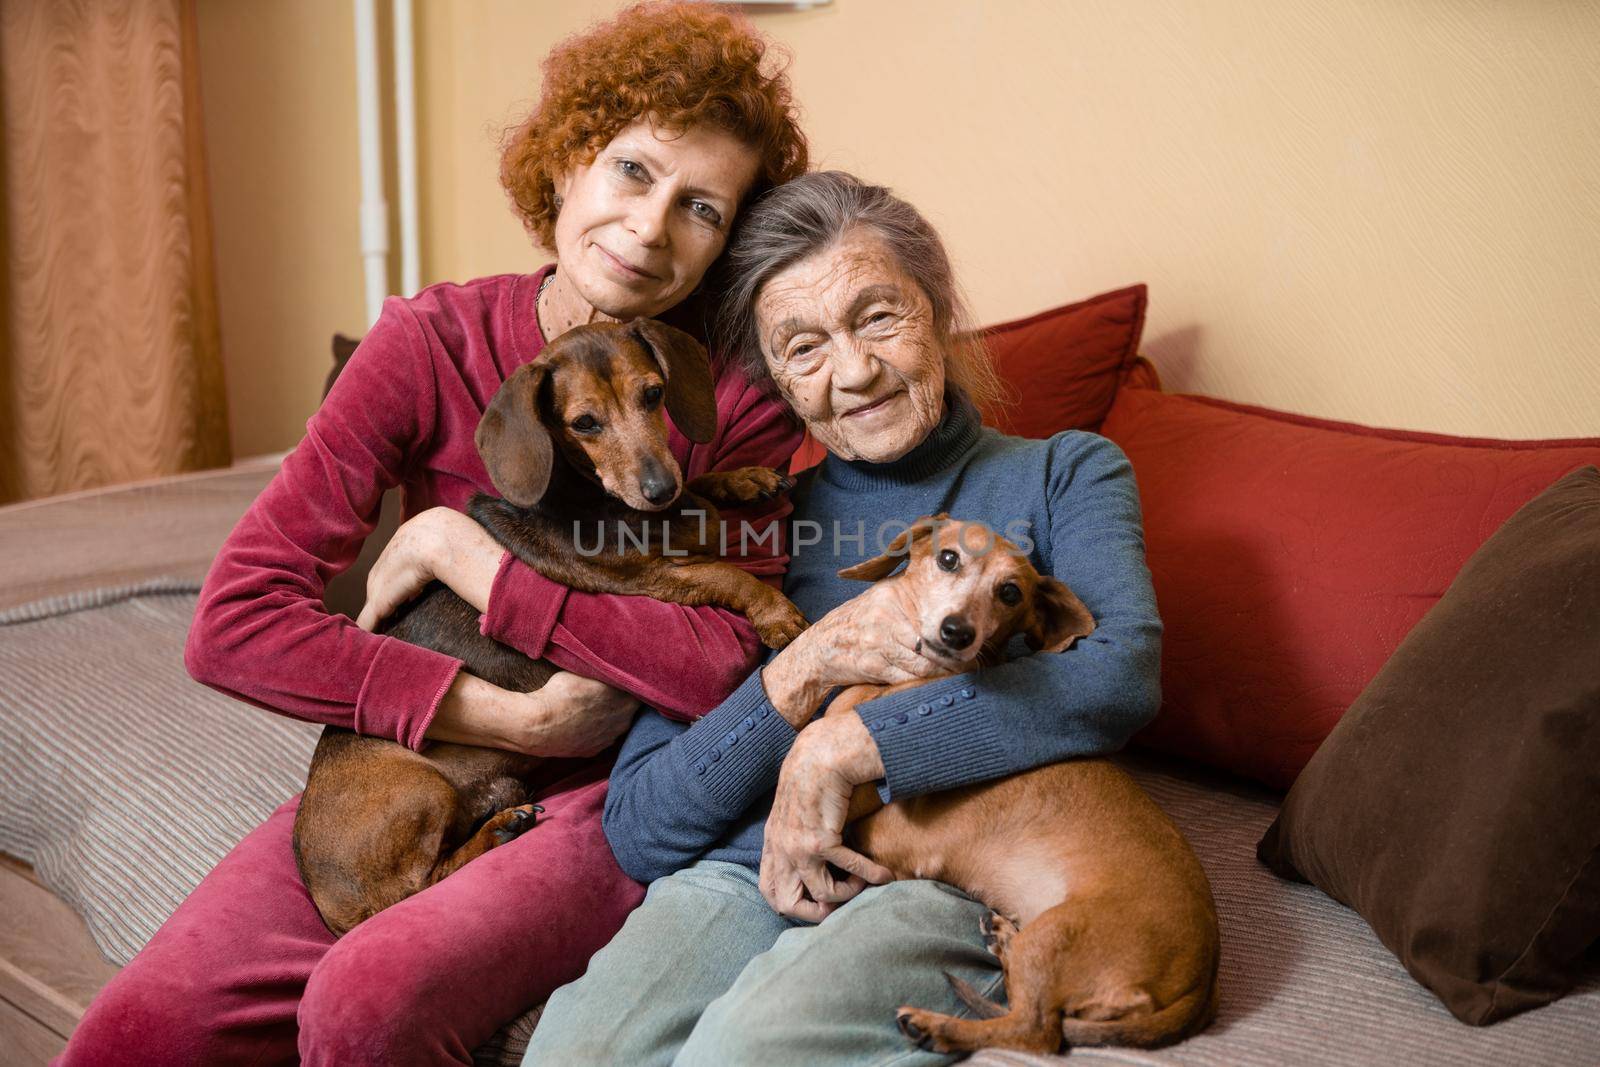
(919, 1027)
(514, 822)
(997, 932)
(777, 622)
(747, 485)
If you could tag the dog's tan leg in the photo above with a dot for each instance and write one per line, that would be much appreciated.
(998, 933)
(502, 827)
(775, 618)
(1067, 984)
(1025, 1031)
(1029, 959)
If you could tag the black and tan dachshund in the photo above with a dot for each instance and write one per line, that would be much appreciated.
(576, 444)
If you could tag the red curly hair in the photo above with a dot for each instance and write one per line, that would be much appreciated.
(680, 64)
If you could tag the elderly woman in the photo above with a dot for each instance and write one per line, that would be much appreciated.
(651, 134)
(843, 294)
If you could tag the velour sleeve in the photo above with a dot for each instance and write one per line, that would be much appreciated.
(1045, 707)
(260, 631)
(681, 660)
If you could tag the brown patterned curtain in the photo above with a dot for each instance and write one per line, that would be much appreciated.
(110, 363)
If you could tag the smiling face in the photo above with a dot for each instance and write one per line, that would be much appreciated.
(640, 225)
(849, 339)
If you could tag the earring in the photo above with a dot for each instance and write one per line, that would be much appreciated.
(557, 199)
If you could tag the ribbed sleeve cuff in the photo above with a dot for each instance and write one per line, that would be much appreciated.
(402, 690)
(523, 607)
(936, 736)
(735, 750)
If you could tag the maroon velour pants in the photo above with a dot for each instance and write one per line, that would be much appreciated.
(244, 972)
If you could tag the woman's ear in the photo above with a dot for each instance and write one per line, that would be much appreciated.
(691, 398)
(898, 552)
(1059, 617)
(512, 438)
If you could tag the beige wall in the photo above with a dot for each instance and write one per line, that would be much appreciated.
(278, 89)
(1378, 210)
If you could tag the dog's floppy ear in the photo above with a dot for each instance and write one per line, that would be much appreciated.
(1059, 617)
(513, 440)
(899, 550)
(691, 398)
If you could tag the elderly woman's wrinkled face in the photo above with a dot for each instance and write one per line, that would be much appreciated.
(639, 226)
(849, 339)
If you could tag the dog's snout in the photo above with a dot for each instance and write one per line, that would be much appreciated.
(956, 632)
(657, 483)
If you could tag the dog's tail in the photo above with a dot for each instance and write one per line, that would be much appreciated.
(981, 1006)
(1183, 1018)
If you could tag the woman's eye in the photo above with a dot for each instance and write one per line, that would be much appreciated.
(801, 351)
(1010, 594)
(630, 168)
(706, 212)
(949, 560)
(652, 396)
(586, 424)
(878, 318)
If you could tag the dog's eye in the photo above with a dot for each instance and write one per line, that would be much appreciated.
(586, 424)
(652, 396)
(949, 559)
(1010, 594)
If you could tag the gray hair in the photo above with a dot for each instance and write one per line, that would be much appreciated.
(809, 214)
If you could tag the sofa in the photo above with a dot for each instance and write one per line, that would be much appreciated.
(1291, 557)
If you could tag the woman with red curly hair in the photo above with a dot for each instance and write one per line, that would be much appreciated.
(651, 133)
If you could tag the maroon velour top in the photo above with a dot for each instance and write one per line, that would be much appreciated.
(403, 412)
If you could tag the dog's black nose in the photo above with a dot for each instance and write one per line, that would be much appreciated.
(658, 487)
(956, 632)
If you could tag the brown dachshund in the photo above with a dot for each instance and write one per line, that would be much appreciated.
(1103, 919)
(576, 443)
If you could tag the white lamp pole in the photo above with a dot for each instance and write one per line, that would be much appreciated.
(405, 113)
(374, 209)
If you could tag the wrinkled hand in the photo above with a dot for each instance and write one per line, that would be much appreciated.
(805, 831)
(581, 717)
(439, 543)
(872, 639)
(569, 716)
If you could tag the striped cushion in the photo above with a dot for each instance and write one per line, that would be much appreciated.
(122, 781)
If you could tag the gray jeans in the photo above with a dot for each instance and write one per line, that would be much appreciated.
(704, 972)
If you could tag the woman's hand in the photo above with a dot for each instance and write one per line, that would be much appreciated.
(582, 717)
(439, 543)
(805, 831)
(872, 639)
(570, 716)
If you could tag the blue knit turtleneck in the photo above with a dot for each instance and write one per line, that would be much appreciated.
(681, 792)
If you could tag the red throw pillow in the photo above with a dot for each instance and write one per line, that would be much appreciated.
(1291, 555)
(1062, 366)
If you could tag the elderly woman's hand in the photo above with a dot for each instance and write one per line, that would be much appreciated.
(805, 831)
(439, 543)
(868, 640)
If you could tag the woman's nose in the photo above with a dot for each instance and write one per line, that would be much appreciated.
(854, 366)
(648, 221)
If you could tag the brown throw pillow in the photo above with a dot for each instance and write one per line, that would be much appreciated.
(1456, 805)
